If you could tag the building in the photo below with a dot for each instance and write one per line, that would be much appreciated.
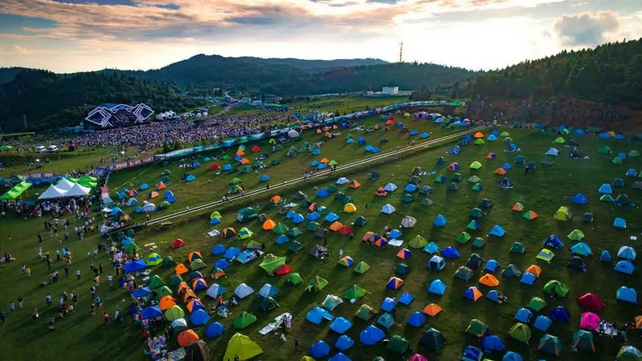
(118, 115)
(389, 90)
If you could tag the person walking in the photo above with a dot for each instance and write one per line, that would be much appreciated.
(78, 274)
(110, 279)
(48, 299)
(12, 307)
(20, 301)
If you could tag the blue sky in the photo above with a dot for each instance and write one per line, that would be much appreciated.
(80, 35)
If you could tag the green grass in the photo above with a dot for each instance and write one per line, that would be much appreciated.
(200, 191)
(82, 336)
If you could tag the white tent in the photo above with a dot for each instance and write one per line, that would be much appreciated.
(77, 190)
(53, 192)
(65, 184)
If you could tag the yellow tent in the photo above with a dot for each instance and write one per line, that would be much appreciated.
(563, 214)
(349, 208)
(243, 347)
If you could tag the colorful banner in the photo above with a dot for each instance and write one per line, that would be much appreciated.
(132, 163)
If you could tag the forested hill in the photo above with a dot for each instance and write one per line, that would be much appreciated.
(609, 74)
(49, 100)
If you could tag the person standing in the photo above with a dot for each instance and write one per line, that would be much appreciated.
(78, 274)
(12, 307)
(340, 253)
(110, 279)
(20, 301)
(48, 299)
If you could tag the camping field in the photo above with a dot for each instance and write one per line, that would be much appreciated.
(212, 185)
(544, 190)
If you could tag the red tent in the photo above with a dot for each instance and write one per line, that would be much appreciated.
(214, 167)
(591, 301)
(178, 243)
(345, 230)
(283, 270)
(255, 149)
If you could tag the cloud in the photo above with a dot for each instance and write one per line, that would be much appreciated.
(17, 49)
(586, 29)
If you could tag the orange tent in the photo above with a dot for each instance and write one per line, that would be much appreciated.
(381, 192)
(432, 309)
(187, 338)
(166, 302)
(325, 129)
(181, 269)
(489, 280)
(478, 135)
(517, 207)
(245, 161)
(189, 294)
(312, 207)
(377, 127)
(534, 269)
(194, 255)
(217, 273)
(182, 287)
(319, 130)
(354, 184)
(269, 225)
(500, 171)
(275, 199)
(240, 152)
(390, 122)
(336, 226)
(325, 161)
(638, 322)
(161, 186)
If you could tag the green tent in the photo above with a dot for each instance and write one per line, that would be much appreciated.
(174, 313)
(407, 198)
(333, 163)
(476, 213)
(360, 221)
(16, 191)
(479, 141)
(520, 332)
(432, 339)
(235, 181)
(427, 202)
(331, 302)
(473, 225)
(293, 232)
(474, 179)
(605, 150)
(628, 353)
(280, 228)
(475, 165)
(197, 264)
(355, 292)
(268, 304)
(456, 177)
(163, 291)
(536, 304)
(425, 190)
(476, 328)
(550, 344)
(583, 341)
(316, 284)
(169, 262)
(366, 312)
(244, 320)
(606, 198)
(362, 267)
(617, 160)
(504, 134)
(559, 140)
(164, 205)
(243, 347)
(518, 248)
(479, 242)
(175, 280)
(313, 226)
(633, 153)
(156, 282)
(271, 263)
(560, 288)
(402, 269)
(295, 279)
(417, 242)
(398, 344)
(463, 237)
(295, 246)
(576, 235)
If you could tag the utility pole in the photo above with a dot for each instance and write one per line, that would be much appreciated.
(401, 52)
(24, 120)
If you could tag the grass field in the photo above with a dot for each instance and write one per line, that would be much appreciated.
(82, 336)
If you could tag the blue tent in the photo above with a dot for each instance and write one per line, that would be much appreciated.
(621, 156)
(437, 263)
(410, 188)
(497, 231)
(369, 148)
(218, 249)
(318, 314)
(579, 199)
(314, 163)
(141, 292)
(298, 219)
(340, 325)
(619, 223)
(495, 132)
(631, 173)
(626, 252)
(331, 217)
(454, 150)
(424, 135)
(264, 178)
(491, 138)
(388, 304)
(134, 265)
(582, 249)
(450, 252)
(605, 256)
(344, 342)
(524, 315)
(493, 295)
(619, 137)
(138, 209)
(560, 314)
(492, 343)
(199, 318)
(339, 357)
(215, 221)
(323, 193)
(625, 267)
(604, 136)
(413, 132)
(437, 287)
(467, 138)
(126, 240)
(322, 166)
(440, 221)
(406, 298)
(316, 152)
(491, 265)
(371, 335)
(282, 239)
(528, 278)
(579, 131)
(395, 234)
(349, 141)
(361, 140)
(232, 253)
(469, 293)
(506, 166)
(227, 167)
(431, 248)
(627, 294)
(605, 189)
(472, 353)
(417, 319)
(222, 264)
(144, 187)
(554, 242)
(132, 202)
(214, 330)
(151, 312)
(319, 349)
(512, 356)
(314, 216)
(542, 323)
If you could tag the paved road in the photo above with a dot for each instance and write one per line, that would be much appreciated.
(359, 163)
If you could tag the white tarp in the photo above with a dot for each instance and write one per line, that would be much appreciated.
(77, 190)
(53, 192)
(65, 184)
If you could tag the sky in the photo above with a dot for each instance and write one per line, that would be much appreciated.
(83, 35)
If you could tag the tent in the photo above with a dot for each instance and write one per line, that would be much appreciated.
(317, 315)
(628, 353)
(366, 312)
(243, 347)
(331, 302)
(244, 320)
(437, 287)
(433, 340)
(436, 263)
(542, 323)
(563, 214)
(550, 344)
(472, 294)
(520, 332)
(371, 335)
(476, 328)
(560, 288)
(492, 343)
(340, 325)
(343, 343)
(398, 344)
(472, 353)
(560, 314)
(489, 280)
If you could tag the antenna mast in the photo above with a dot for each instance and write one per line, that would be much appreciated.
(401, 52)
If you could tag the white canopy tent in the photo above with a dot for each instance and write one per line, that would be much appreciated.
(77, 191)
(65, 184)
(53, 192)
